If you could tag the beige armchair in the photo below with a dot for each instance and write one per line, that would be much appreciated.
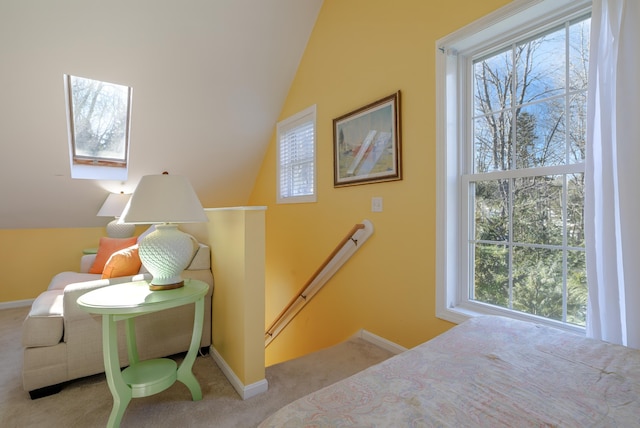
(61, 342)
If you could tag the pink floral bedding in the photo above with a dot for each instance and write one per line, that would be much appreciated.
(486, 372)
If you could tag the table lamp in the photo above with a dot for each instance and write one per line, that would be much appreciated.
(165, 200)
(112, 207)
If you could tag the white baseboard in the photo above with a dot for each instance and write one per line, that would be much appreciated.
(381, 342)
(16, 304)
(245, 391)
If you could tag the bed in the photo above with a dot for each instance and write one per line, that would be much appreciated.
(485, 372)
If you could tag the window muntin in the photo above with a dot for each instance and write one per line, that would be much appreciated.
(99, 121)
(296, 149)
(499, 147)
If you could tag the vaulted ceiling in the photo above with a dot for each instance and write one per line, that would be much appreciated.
(209, 78)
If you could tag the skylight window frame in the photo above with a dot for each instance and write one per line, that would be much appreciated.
(83, 161)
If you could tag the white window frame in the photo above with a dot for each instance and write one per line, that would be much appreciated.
(454, 54)
(96, 168)
(298, 120)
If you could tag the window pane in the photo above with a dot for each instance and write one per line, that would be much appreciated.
(579, 34)
(576, 288)
(537, 282)
(537, 210)
(296, 159)
(577, 127)
(492, 142)
(491, 210)
(575, 210)
(540, 139)
(491, 274)
(100, 118)
(301, 182)
(493, 83)
(540, 67)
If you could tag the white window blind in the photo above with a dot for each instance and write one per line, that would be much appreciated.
(296, 158)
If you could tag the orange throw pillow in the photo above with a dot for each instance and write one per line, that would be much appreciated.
(122, 263)
(107, 247)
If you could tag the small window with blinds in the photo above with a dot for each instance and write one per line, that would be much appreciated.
(296, 140)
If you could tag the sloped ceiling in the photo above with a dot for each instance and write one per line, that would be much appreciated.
(209, 78)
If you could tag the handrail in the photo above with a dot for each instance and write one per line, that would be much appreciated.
(340, 254)
(346, 239)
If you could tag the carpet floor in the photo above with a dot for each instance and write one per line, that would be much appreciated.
(87, 402)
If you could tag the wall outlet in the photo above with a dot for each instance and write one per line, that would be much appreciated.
(376, 205)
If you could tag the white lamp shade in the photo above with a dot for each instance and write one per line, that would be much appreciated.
(113, 205)
(163, 199)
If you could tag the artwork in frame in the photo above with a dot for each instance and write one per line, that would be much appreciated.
(366, 144)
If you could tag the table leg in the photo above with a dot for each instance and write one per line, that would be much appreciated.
(132, 345)
(119, 389)
(185, 374)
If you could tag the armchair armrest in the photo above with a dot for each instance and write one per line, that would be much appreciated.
(201, 259)
(86, 262)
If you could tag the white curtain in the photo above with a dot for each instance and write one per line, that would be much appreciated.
(612, 187)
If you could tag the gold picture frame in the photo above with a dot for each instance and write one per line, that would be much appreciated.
(366, 144)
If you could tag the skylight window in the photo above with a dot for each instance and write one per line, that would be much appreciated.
(98, 115)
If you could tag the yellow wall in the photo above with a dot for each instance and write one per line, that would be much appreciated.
(237, 237)
(30, 257)
(361, 51)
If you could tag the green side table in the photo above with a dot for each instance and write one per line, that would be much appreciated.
(124, 302)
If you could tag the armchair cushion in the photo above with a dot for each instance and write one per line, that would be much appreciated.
(62, 279)
(106, 248)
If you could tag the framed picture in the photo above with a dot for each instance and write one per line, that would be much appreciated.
(366, 144)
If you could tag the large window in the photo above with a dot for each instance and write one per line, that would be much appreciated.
(512, 188)
(296, 141)
(98, 122)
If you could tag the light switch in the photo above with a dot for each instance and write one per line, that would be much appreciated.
(376, 204)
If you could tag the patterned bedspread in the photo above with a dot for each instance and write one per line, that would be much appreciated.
(486, 372)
